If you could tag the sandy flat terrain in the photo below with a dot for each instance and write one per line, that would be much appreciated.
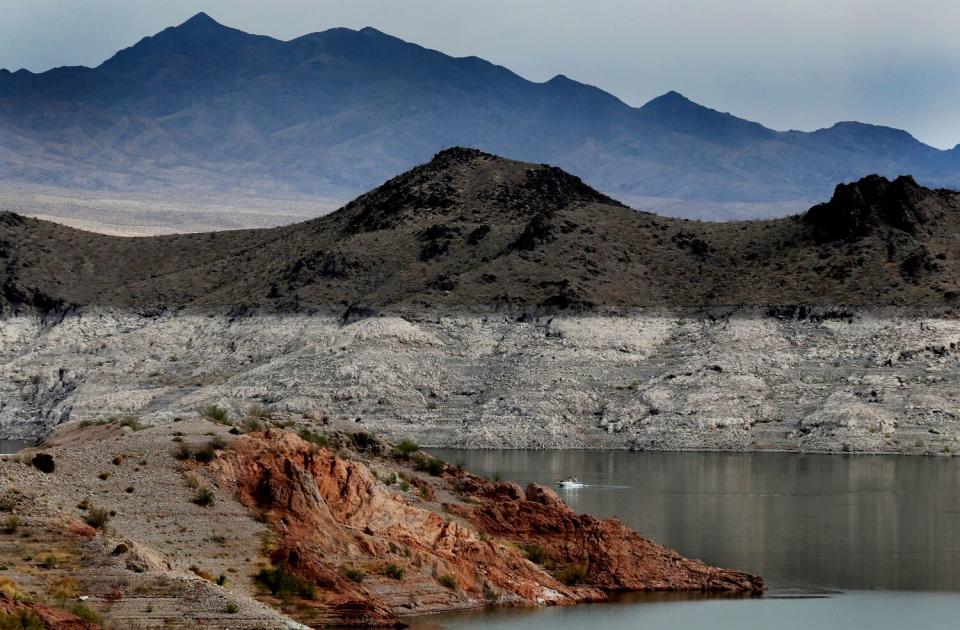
(120, 214)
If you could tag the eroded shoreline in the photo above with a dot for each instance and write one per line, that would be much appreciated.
(864, 382)
(257, 525)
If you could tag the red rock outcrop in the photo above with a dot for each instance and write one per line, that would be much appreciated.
(335, 520)
(52, 618)
(612, 556)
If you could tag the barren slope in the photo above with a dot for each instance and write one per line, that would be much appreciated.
(474, 232)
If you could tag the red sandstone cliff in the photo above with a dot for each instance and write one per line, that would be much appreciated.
(458, 540)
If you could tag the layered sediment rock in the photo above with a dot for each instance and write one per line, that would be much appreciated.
(456, 543)
(792, 378)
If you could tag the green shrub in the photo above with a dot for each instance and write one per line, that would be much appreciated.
(204, 497)
(11, 525)
(390, 479)
(86, 613)
(354, 575)
(182, 451)
(394, 571)
(217, 443)
(435, 467)
(215, 413)
(571, 576)
(535, 553)
(205, 453)
(221, 579)
(317, 439)
(7, 504)
(232, 608)
(406, 448)
(448, 581)
(363, 440)
(429, 464)
(133, 422)
(21, 620)
(404, 485)
(282, 582)
(97, 518)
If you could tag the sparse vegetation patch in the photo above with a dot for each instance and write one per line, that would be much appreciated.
(215, 413)
(97, 518)
(282, 582)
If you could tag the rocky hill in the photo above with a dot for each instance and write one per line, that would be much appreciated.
(472, 232)
(203, 108)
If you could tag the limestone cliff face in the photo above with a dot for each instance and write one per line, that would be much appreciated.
(786, 378)
(457, 540)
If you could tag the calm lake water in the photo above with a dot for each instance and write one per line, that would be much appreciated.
(8, 447)
(862, 541)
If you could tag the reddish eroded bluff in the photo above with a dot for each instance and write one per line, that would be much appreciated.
(376, 551)
(51, 618)
(611, 556)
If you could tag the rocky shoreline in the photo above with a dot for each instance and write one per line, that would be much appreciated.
(785, 379)
(200, 524)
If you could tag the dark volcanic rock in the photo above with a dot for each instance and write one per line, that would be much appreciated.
(861, 208)
(44, 462)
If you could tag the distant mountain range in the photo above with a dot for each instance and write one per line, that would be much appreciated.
(203, 108)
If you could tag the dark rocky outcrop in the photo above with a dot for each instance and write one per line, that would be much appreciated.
(867, 206)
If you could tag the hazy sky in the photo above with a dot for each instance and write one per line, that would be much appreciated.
(785, 63)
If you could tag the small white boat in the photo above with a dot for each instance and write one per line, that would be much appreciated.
(570, 482)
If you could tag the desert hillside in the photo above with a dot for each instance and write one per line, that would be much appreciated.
(472, 232)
